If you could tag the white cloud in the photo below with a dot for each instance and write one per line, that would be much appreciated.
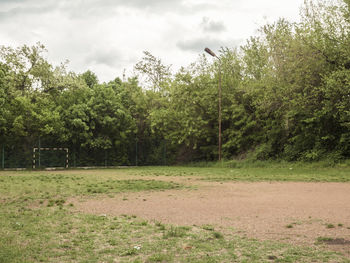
(198, 44)
(109, 36)
(212, 26)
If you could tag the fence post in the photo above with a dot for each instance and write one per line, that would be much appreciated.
(3, 157)
(105, 158)
(164, 153)
(67, 158)
(136, 140)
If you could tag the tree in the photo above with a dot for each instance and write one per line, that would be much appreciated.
(155, 72)
(90, 78)
(29, 69)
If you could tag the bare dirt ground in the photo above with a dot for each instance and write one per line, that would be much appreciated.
(297, 213)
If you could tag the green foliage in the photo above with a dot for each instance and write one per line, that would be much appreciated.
(90, 78)
(285, 95)
(155, 72)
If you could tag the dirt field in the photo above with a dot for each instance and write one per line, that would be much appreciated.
(298, 213)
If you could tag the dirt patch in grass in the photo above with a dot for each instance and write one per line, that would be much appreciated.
(296, 213)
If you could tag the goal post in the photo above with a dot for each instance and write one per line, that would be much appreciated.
(38, 150)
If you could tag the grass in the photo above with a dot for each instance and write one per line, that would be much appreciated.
(62, 235)
(48, 186)
(175, 232)
(208, 227)
(332, 241)
(37, 224)
(217, 235)
(283, 173)
(324, 239)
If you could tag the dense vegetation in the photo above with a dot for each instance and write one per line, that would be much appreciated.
(286, 95)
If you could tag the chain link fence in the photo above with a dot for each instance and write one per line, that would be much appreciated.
(45, 155)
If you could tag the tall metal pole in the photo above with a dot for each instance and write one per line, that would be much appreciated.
(39, 153)
(220, 96)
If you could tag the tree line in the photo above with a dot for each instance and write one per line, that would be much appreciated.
(285, 95)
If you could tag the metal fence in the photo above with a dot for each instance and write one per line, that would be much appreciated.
(41, 155)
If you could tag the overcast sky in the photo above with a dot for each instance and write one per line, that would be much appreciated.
(108, 36)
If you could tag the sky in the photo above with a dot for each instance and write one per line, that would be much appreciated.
(108, 37)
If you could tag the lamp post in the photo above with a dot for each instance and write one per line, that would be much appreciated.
(214, 55)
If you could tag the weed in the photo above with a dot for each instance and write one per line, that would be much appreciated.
(161, 227)
(289, 226)
(114, 226)
(175, 232)
(129, 252)
(208, 227)
(324, 239)
(218, 235)
(112, 242)
(330, 226)
(159, 258)
(60, 202)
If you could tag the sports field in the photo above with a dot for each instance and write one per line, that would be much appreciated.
(176, 214)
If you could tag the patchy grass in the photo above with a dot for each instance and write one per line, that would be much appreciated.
(217, 234)
(37, 224)
(62, 235)
(324, 239)
(208, 227)
(332, 241)
(283, 173)
(45, 186)
(175, 232)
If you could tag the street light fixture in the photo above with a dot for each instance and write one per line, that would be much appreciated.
(220, 92)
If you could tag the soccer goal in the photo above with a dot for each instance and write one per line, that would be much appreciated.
(38, 154)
